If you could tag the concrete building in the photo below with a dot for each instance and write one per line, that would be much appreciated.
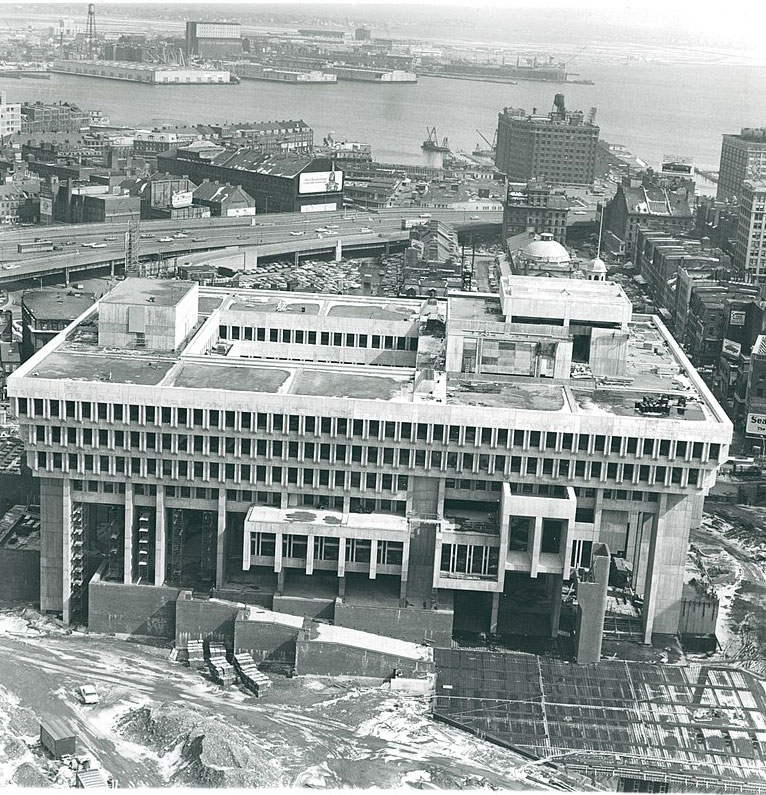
(750, 243)
(279, 183)
(536, 207)
(407, 467)
(213, 40)
(558, 147)
(10, 116)
(164, 196)
(46, 312)
(743, 157)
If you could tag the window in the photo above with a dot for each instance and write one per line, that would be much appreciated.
(552, 534)
(520, 533)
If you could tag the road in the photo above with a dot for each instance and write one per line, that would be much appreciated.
(177, 238)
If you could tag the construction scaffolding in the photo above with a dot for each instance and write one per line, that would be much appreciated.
(77, 558)
(116, 554)
(207, 561)
(699, 726)
(144, 543)
(176, 545)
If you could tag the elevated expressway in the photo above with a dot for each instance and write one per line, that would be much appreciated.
(246, 240)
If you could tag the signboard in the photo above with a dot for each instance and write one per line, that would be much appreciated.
(239, 212)
(737, 318)
(46, 205)
(320, 182)
(756, 424)
(182, 198)
(731, 348)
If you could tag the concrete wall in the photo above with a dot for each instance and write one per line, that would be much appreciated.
(333, 659)
(54, 515)
(310, 608)
(698, 616)
(20, 575)
(266, 642)
(406, 623)
(200, 618)
(591, 608)
(142, 610)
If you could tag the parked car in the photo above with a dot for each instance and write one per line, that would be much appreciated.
(87, 694)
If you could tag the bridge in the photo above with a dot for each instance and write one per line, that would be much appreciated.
(248, 240)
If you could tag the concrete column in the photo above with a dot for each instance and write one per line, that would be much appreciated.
(66, 276)
(280, 582)
(297, 259)
(666, 563)
(405, 570)
(342, 558)
(66, 613)
(128, 548)
(310, 555)
(556, 581)
(220, 543)
(278, 552)
(341, 587)
(55, 513)
(373, 559)
(339, 249)
(160, 543)
(537, 540)
(494, 612)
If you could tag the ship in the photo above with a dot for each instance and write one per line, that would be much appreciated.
(431, 144)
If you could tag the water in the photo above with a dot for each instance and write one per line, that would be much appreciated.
(654, 110)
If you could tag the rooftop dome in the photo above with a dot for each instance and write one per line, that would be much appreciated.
(547, 249)
(597, 266)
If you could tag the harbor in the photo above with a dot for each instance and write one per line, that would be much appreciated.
(150, 74)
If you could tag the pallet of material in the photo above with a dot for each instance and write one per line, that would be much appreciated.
(196, 654)
(253, 679)
(223, 672)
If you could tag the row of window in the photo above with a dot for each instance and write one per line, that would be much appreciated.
(475, 560)
(366, 429)
(327, 548)
(305, 337)
(427, 459)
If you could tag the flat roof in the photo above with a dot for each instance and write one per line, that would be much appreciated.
(536, 287)
(160, 292)
(505, 393)
(57, 303)
(240, 378)
(487, 309)
(102, 366)
(324, 518)
(345, 384)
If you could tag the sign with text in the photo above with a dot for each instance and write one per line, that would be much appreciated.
(756, 424)
(182, 198)
(320, 182)
(731, 348)
(737, 318)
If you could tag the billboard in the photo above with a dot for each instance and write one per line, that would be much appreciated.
(181, 198)
(320, 182)
(46, 205)
(737, 318)
(756, 424)
(731, 348)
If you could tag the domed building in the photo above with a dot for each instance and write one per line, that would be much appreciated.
(542, 257)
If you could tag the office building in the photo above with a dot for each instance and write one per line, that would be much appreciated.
(558, 147)
(405, 467)
(213, 40)
(53, 117)
(646, 205)
(10, 116)
(535, 207)
(269, 136)
(743, 157)
(750, 243)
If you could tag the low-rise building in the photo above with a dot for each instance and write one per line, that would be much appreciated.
(536, 207)
(164, 196)
(47, 312)
(47, 117)
(224, 201)
(539, 255)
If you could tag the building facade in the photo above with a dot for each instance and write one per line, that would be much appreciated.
(535, 207)
(10, 116)
(403, 465)
(750, 243)
(44, 117)
(559, 147)
(213, 39)
(743, 157)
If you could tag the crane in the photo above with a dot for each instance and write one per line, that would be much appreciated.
(576, 55)
(486, 140)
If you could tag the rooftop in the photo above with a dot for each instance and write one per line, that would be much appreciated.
(56, 303)
(142, 291)
(95, 366)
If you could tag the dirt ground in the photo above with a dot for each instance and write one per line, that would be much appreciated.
(732, 542)
(158, 723)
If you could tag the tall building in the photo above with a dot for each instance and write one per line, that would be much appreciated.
(750, 243)
(10, 116)
(558, 147)
(407, 467)
(44, 117)
(743, 157)
(213, 39)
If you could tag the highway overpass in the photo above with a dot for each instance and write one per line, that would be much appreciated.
(89, 247)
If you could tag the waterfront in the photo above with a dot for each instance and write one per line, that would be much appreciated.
(652, 109)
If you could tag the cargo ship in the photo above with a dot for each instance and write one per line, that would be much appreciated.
(501, 73)
(256, 71)
(373, 75)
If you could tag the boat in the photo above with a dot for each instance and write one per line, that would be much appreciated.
(431, 144)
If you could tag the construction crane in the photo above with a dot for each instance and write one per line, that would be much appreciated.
(492, 145)
(576, 55)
